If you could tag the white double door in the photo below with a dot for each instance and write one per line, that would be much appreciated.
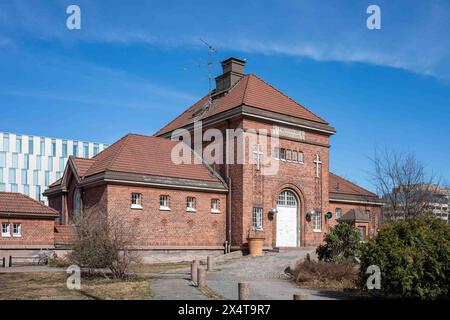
(287, 226)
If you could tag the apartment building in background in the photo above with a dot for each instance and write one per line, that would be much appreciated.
(29, 164)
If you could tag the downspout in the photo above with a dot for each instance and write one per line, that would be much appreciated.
(229, 191)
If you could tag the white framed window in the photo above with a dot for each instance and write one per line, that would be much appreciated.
(294, 156)
(283, 154)
(215, 206)
(17, 230)
(338, 213)
(136, 200)
(276, 153)
(6, 229)
(317, 221)
(191, 204)
(164, 202)
(258, 218)
(301, 157)
(288, 155)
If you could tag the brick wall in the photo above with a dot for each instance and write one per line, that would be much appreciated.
(375, 212)
(176, 227)
(36, 232)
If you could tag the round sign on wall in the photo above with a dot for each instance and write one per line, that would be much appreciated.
(329, 215)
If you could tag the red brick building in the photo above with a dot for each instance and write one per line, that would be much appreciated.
(200, 206)
(25, 223)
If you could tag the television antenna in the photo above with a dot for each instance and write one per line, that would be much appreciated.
(211, 51)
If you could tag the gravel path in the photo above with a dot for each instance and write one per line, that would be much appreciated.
(266, 275)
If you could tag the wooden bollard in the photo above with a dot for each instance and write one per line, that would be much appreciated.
(301, 296)
(244, 291)
(194, 268)
(210, 263)
(4, 262)
(201, 277)
(10, 262)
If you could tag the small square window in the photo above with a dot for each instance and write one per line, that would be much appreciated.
(164, 202)
(17, 230)
(136, 201)
(191, 204)
(6, 232)
(215, 206)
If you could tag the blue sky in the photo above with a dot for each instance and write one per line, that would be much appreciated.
(135, 65)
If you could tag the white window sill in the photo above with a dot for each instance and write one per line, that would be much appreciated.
(164, 208)
(136, 206)
(190, 210)
(215, 211)
(6, 236)
(317, 230)
(17, 236)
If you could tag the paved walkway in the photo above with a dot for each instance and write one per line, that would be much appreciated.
(266, 275)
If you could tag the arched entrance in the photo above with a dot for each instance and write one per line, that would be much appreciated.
(287, 233)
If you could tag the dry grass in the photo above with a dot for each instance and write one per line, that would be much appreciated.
(326, 275)
(52, 286)
(158, 267)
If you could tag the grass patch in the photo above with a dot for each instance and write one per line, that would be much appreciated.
(52, 286)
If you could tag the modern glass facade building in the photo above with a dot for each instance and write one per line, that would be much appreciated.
(29, 164)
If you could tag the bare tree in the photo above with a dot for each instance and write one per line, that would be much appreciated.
(105, 241)
(400, 179)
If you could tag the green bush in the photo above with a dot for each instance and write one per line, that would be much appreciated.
(341, 244)
(414, 258)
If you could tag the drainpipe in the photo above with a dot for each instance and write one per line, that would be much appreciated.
(229, 192)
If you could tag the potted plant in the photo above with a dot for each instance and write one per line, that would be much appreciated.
(255, 240)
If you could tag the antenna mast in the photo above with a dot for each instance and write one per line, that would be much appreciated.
(211, 51)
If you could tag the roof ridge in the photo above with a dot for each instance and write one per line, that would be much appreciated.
(279, 91)
(244, 96)
(353, 184)
(185, 111)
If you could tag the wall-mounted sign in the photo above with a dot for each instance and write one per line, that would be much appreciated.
(289, 133)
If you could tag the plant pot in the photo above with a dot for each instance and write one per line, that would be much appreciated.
(255, 246)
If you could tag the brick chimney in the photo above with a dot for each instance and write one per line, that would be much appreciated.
(233, 71)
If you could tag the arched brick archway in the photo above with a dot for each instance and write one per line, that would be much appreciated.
(300, 213)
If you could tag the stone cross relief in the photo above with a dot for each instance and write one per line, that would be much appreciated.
(258, 153)
(318, 163)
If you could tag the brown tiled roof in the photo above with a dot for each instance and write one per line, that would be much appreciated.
(146, 155)
(17, 203)
(56, 183)
(251, 91)
(83, 165)
(340, 185)
(355, 215)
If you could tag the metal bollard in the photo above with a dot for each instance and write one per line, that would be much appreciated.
(10, 262)
(301, 296)
(4, 262)
(201, 277)
(244, 291)
(210, 263)
(194, 267)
